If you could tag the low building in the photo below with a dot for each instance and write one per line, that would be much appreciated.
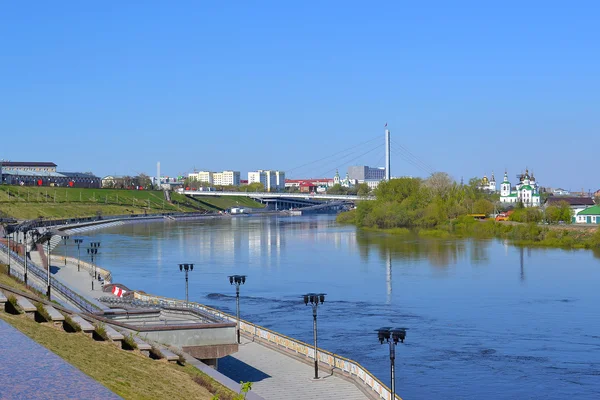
(44, 174)
(590, 215)
(560, 192)
(577, 204)
(307, 187)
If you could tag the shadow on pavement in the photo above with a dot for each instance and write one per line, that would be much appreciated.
(240, 371)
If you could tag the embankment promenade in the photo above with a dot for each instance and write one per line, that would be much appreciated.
(278, 366)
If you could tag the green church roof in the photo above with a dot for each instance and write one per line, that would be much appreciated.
(526, 187)
(595, 210)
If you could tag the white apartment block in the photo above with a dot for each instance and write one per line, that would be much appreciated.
(202, 176)
(226, 178)
(272, 181)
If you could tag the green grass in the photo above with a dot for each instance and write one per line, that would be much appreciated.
(49, 202)
(129, 374)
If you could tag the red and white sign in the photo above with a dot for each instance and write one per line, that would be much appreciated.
(117, 291)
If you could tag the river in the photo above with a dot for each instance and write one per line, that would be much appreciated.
(485, 319)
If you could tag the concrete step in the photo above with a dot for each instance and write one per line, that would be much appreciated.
(83, 324)
(141, 345)
(26, 305)
(54, 314)
(168, 354)
(3, 298)
(113, 334)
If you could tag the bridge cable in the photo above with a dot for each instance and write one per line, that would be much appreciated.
(355, 158)
(334, 154)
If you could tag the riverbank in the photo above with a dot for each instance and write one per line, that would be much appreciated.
(52, 202)
(521, 234)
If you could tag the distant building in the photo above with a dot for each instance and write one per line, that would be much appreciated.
(590, 215)
(365, 173)
(202, 176)
(560, 192)
(272, 181)
(346, 182)
(525, 192)
(577, 204)
(226, 178)
(488, 185)
(44, 174)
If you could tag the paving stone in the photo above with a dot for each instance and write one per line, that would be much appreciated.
(30, 371)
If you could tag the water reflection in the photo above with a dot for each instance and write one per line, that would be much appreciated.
(439, 252)
(476, 329)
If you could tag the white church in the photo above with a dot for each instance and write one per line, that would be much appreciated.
(526, 191)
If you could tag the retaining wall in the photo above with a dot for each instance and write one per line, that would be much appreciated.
(346, 366)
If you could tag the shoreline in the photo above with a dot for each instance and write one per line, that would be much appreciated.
(334, 364)
(565, 237)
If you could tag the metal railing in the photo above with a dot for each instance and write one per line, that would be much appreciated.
(41, 274)
(350, 367)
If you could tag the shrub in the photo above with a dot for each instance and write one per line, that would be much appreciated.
(129, 343)
(71, 326)
(100, 332)
(11, 305)
(41, 313)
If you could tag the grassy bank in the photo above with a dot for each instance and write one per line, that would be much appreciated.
(583, 237)
(49, 202)
(127, 373)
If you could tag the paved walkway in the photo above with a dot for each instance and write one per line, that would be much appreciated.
(278, 376)
(30, 371)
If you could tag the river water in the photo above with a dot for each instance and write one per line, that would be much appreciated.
(485, 319)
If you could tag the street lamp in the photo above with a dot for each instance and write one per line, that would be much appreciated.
(48, 271)
(93, 251)
(78, 243)
(8, 241)
(314, 299)
(237, 280)
(65, 238)
(396, 335)
(26, 252)
(186, 268)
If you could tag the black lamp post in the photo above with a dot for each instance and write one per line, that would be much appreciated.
(65, 238)
(186, 268)
(78, 243)
(396, 335)
(314, 299)
(8, 241)
(26, 255)
(93, 251)
(48, 271)
(237, 280)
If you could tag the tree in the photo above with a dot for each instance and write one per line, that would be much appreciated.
(143, 180)
(483, 206)
(253, 187)
(363, 189)
(439, 183)
(337, 189)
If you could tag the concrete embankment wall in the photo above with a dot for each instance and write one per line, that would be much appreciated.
(340, 365)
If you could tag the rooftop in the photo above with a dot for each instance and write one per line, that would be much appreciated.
(573, 201)
(595, 210)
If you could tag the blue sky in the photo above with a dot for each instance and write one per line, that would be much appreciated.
(467, 88)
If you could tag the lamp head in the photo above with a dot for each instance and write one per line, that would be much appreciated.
(305, 299)
(231, 280)
(383, 334)
(181, 267)
(398, 335)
